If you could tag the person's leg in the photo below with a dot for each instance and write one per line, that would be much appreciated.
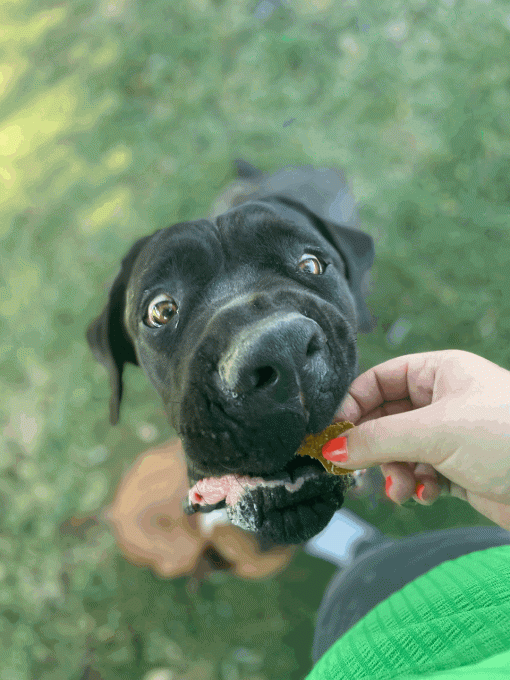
(378, 570)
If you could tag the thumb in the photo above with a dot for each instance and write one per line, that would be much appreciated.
(416, 436)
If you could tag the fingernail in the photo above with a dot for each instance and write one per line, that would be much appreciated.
(420, 487)
(336, 450)
(389, 482)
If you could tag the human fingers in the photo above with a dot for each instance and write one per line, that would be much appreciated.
(399, 481)
(410, 376)
(409, 480)
(413, 436)
(350, 410)
(427, 488)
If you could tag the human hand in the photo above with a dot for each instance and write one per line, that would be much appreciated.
(441, 419)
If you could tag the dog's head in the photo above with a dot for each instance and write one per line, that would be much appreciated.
(246, 326)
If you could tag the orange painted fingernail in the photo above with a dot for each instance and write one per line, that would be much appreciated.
(389, 482)
(420, 487)
(335, 450)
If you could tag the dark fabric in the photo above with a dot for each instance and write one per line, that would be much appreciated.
(386, 567)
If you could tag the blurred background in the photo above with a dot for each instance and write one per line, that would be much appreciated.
(119, 117)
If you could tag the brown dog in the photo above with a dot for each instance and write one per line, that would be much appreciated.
(152, 529)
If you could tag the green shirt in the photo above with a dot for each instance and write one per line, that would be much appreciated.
(452, 622)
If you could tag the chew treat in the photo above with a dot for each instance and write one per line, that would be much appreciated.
(313, 443)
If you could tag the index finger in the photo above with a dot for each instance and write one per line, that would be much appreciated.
(410, 376)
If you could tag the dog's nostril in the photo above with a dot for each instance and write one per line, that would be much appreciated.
(265, 376)
(315, 345)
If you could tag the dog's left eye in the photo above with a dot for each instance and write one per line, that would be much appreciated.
(311, 264)
(161, 309)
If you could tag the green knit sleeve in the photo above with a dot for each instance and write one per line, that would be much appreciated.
(454, 616)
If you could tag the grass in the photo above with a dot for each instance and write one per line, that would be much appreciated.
(118, 118)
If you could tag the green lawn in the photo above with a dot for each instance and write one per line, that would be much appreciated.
(118, 118)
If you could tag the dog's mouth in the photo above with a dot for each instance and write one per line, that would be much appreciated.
(287, 507)
(230, 488)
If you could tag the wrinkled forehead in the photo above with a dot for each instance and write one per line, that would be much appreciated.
(201, 246)
(177, 243)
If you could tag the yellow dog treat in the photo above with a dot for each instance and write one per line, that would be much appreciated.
(313, 443)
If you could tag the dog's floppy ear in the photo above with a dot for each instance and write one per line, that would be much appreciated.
(107, 336)
(355, 247)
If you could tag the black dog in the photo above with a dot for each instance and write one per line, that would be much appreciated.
(246, 325)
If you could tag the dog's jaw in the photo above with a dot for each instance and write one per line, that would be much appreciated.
(286, 508)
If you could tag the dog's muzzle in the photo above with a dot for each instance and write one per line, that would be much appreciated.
(268, 359)
(269, 367)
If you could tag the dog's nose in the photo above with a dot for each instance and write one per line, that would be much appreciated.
(270, 355)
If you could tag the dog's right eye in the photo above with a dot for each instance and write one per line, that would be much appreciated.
(160, 311)
(312, 264)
